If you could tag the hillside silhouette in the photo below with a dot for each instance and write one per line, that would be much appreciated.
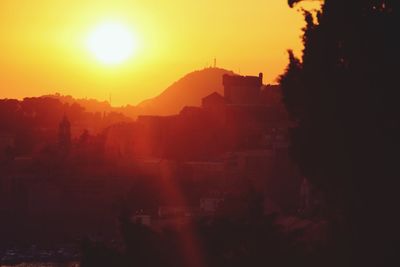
(187, 91)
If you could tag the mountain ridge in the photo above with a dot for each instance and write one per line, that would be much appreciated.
(186, 91)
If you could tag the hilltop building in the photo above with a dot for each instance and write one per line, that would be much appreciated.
(242, 90)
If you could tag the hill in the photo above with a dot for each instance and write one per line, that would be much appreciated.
(187, 91)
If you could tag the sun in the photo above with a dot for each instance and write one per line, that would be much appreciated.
(112, 43)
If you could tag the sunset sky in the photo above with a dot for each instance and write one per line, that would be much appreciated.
(43, 44)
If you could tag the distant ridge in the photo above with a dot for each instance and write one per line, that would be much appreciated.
(187, 91)
(90, 105)
(95, 106)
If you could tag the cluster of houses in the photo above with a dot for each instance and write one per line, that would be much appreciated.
(230, 143)
(241, 137)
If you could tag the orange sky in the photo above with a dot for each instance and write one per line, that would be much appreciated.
(43, 50)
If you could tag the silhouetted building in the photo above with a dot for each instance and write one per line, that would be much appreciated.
(214, 104)
(141, 218)
(119, 141)
(189, 111)
(242, 90)
(153, 135)
(212, 101)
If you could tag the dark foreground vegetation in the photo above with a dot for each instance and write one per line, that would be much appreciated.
(251, 240)
(343, 95)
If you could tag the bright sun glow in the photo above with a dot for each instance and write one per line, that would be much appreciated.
(112, 43)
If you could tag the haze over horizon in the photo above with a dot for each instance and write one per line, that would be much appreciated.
(43, 47)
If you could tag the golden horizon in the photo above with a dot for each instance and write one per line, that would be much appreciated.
(44, 45)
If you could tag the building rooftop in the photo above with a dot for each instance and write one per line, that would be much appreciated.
(236, 80)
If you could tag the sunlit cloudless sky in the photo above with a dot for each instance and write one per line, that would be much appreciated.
(43, 44)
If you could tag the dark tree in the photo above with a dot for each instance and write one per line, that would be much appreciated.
(343, 96)
(64, 135)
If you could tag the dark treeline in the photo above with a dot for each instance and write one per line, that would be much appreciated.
(343, 95)
(239, 236)
(93, 105)
(35, 120)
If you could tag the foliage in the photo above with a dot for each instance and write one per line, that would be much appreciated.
(33, 121)
(343, 96)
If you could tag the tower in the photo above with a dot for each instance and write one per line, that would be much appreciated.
(242, 90)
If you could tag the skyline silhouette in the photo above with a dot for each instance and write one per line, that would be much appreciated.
(44, 45)
(221, 168)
